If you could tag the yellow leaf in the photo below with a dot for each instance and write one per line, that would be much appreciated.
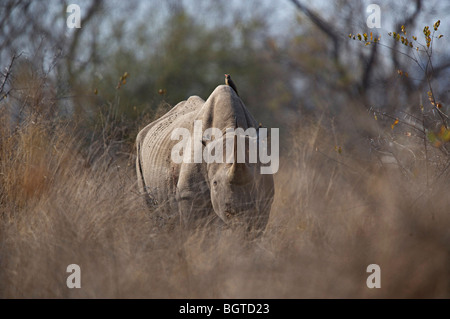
(436, 25)
(394, 124)
(444, 134)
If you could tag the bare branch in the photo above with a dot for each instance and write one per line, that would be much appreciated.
(7, 74)
(322, 25)
(369, 67)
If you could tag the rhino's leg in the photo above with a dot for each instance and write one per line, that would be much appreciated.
(193, 196)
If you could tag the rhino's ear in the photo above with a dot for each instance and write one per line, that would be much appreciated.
(204, 142)
(266, 133)
(257, 130)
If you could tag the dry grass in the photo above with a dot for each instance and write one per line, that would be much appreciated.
(329, 221)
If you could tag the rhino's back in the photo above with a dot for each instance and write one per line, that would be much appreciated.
(159, 174)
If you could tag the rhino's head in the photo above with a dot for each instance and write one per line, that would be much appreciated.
(241, 196)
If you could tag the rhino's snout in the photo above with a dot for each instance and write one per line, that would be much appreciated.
(241, 218)
(247, 221)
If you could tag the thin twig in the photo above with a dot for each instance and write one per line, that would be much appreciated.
(399, 120)
(7, 74)
(426, 150)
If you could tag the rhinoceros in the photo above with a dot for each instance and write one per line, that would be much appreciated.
(232, 193)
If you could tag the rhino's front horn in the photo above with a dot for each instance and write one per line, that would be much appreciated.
(239, 173)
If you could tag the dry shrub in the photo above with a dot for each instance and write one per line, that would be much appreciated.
(30, 159)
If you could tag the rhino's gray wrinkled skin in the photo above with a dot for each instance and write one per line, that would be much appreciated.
(237, 193)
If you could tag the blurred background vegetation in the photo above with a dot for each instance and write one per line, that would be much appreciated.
(291, 60)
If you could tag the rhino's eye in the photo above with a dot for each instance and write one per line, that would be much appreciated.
(215, 183)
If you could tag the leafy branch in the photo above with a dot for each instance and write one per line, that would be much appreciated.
(413, 44)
